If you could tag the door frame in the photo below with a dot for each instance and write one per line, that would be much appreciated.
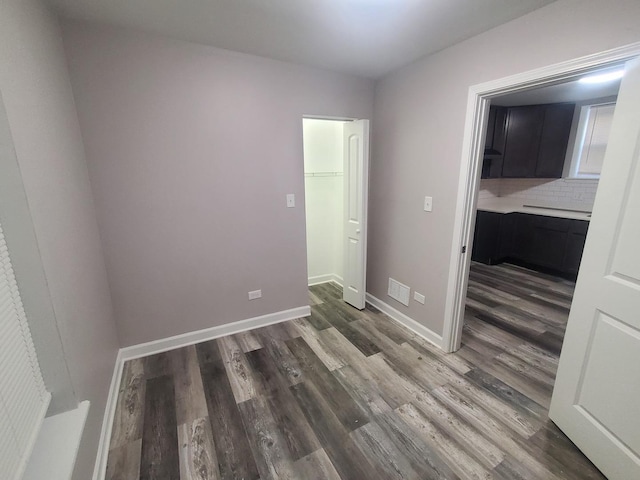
(472, 154)
(365, 189)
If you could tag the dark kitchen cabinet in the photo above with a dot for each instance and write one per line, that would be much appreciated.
(494, 142)
(575, 246)
(548, 237)
(524, 128)
(554, 140)
(486, 240)
(551, 243)
(536, 140)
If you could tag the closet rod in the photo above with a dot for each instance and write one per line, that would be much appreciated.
(323, 174)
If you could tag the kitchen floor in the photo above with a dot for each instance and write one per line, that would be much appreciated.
(346, 394)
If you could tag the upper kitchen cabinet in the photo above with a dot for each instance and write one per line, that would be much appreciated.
(524, 130)
(536, 140)
(494, 142)
(555, 138)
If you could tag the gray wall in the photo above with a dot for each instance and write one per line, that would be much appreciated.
(191, 153)
(418, 123)
(44, 126)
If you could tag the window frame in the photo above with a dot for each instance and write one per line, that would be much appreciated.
(578, 144)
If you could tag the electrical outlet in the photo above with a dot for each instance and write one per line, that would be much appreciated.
(255, 294)
(418, 297)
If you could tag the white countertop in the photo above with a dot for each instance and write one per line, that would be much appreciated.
(506, 205)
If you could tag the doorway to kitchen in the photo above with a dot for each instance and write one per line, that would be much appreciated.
(543, 153)
(336, 166)
(544, 150)
(601, 337)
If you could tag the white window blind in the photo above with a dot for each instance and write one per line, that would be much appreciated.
(23, 397)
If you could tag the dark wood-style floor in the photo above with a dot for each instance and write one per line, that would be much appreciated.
(346, 394)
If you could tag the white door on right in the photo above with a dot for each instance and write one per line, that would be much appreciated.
(596, 400)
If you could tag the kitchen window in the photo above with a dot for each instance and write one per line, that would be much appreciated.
(592, 136)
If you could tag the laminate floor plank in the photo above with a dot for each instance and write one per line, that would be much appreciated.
(342, 348)
(273, 458)
(238, 371)
(198, 459)
(424, 459)
(323, 351)
(507, 394)
(314, 299)
(360, 341)
(538, 392)
(129, 415)
(352, 394)
(317, 319)
(461, 462)
(550, 441)
(491, 427)
(385, 325)
(362, 389)
(316, 466)
(159, 455)
(248, 341)
(285, 361)
(375, 444)
(347, 459)
(289, 419)
(158, 365)
(235, 458)
(191, 403)
(124, 461)
(342, 404)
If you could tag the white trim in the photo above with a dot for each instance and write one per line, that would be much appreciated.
(405, 321)
(30, 451)
(472, 143)
(330, 277)
(190, 338)
(57, 446)
(170, 343)
(100, 469)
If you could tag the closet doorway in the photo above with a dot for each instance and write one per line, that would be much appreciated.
(336, 169)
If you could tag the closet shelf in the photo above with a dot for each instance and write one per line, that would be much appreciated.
(323, 174)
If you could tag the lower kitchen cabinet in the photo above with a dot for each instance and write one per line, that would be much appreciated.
(575, 246)
(550, 243)
(486, 240)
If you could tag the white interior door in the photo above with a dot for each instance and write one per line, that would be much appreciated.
(596, 400)
(356, 181)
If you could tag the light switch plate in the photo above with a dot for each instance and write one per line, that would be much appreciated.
(291, 200)
(428, 204)
(418, 297)
(255, 294)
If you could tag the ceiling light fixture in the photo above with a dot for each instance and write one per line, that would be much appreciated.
(603, 77)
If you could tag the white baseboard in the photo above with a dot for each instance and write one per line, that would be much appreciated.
(100, 469)
(190, 338)
(170, 343)
(405, 321)
(330, 277)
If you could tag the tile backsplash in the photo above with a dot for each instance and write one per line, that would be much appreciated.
(549, 192)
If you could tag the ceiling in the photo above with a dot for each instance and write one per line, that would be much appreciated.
(362, 37)
(572, 91)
